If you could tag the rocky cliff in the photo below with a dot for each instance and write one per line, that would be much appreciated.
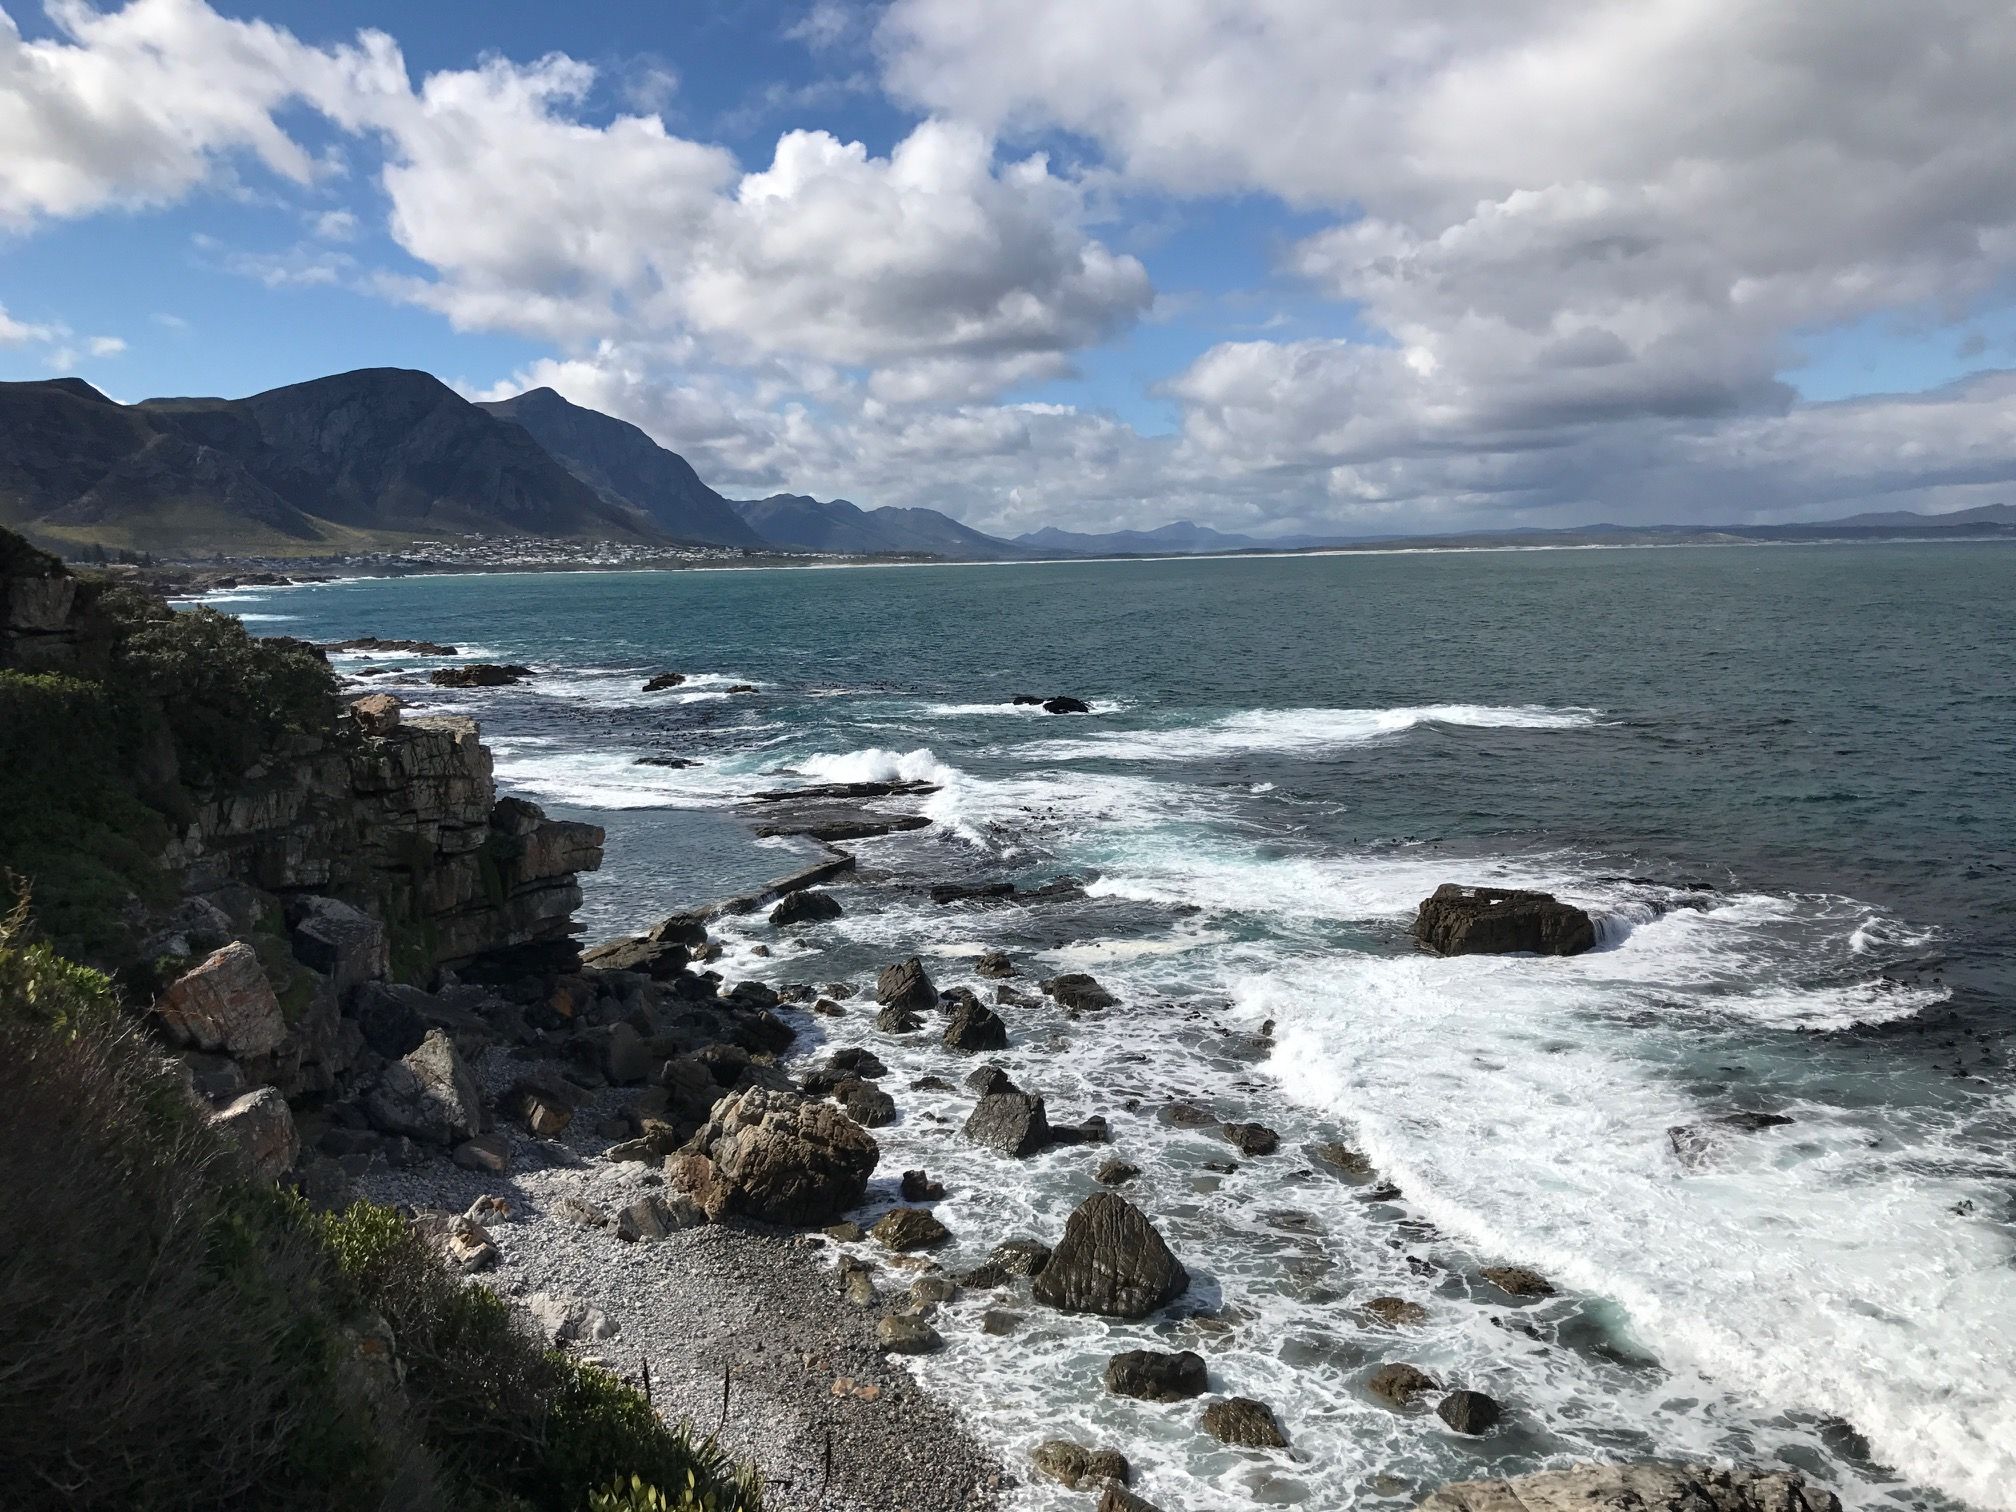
(404, 821)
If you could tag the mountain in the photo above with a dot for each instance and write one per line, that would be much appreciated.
(1180, 537)
(627, 468)
(1904, 519)
(334, 463)
(797, 522)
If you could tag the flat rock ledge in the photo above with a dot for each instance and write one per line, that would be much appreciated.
(1638, 1488)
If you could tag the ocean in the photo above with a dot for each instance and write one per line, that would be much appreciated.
(1783, 778)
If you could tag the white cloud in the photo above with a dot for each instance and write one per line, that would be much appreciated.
(1583, 239)
(336, 225)
(137, 106)
(105, 346)
(21, 333)
(1555, 213)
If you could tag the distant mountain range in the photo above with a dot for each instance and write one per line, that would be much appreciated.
(386, 456)
(794, 522)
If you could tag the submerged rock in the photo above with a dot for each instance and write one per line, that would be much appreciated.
(1154, 1376)
(663, 681)
(1458, 920)
(1078, 992)
(1251, 1138)
(1518, 1281)
(1399, 1385)
(1111, 1261)
(1638, 1488)
(1696, 1144)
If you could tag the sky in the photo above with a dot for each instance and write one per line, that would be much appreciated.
(1277, 266)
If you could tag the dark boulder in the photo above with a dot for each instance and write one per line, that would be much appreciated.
(1116, 1172)
(1078, 992)
(1469, 1412)
(1697, 1144)
(1459, 920)
(988, 1080)
(905, 986)
(1399, 1385)
(778, 1157)
(663, 681)
(1011, 1122)
(1155, 1376)
(917, 1186)
(1075, 1465)
(994, 964)
(808, 907)
(1063, 704)
(1111, 1261)
(975, 1028)
(858, 1062)
(866, 1103)
(1021, 1257)
(479, 675)
(906, 1229)
(1026, 700)
(1245, 1423)
(1251, 1138)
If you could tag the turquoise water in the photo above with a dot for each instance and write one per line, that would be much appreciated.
(1781, 776)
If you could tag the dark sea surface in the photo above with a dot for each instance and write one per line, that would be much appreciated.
(1783, 778)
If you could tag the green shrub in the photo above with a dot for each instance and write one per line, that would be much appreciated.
(71, 816)
(227, 695)
(167, 1338)
(635, 1496)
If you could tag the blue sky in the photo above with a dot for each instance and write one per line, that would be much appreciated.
(1279, 266)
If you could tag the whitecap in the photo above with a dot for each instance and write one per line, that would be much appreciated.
(1302, 731)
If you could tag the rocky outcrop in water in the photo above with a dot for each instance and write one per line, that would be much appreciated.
(479, 675)
(1110, 1261)
(1459, 920)
(1638, 1488)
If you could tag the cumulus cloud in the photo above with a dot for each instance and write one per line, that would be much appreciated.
(1582, 242)
(1555, 213)
(934, 271)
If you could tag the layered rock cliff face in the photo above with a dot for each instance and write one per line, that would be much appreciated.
(407, 824)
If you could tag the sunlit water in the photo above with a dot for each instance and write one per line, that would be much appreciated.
(1782, 778)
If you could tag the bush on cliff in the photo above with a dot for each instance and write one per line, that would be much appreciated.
(227, 696)
(99, 757)
(165, 1336)
(174, 1336)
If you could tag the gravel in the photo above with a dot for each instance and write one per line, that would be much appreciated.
(757, 1308)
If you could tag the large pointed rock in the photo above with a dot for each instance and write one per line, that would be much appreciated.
(428, 1096)
(905, 989)
(1638, 1488)
(1111, 1261)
